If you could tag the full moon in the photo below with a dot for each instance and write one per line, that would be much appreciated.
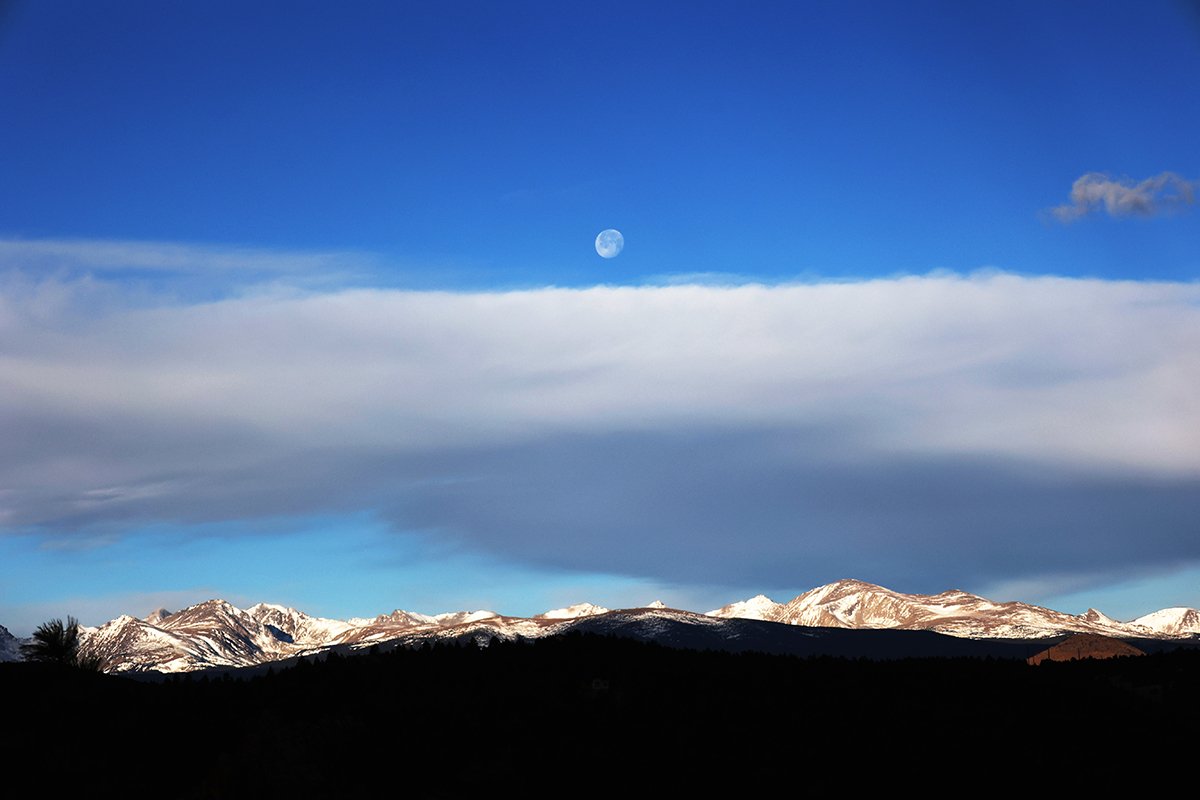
(609, 243)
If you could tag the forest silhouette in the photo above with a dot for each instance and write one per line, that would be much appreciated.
(452, 719)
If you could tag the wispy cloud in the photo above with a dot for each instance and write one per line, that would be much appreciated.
(925, 430)
(1124, 197)
(189, 268)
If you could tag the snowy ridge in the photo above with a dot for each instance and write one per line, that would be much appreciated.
(1171, 622)
(758, 607)
(459, 617)
(216, 633)
(297, 626)
(857, 604)
(573, 612)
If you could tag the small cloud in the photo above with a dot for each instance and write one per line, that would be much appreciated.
(718, 279)
(1123, 197)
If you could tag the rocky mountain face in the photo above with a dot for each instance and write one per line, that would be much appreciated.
(213, 633)
(1171, 622)
(857, 604)
(297, 628)
(206, 645)
(218, 634)
(10, 646)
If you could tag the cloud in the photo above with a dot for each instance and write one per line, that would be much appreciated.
(105, 255)
(782, 506)
(924, 430)
(154, 272)
(1123, 197)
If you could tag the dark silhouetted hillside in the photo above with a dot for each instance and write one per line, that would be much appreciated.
(584, 714)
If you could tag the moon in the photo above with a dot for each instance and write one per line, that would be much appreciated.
(610, 243)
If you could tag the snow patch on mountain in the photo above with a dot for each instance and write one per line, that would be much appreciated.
(299, 627)
(758, 607)
(1171, 622)
(459, 617)
(573, 612)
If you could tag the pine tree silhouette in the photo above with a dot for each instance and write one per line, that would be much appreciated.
(58, 643)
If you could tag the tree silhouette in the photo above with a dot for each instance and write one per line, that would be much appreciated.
(58, 643)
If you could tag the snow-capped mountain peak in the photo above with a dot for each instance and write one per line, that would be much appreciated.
(398, 617)
(216, 633)
(460, 617)
(758, 607)
(1171, 621)
(573, 612)
(1098, 617)
(298, 627)
(857, 604)
(157, 616)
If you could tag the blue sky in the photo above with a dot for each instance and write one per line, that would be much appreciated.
(277, 278)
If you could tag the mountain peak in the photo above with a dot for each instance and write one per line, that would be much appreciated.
(260, 607)
(215, 604)
(1176, 621)
(157, 616)
(463, 617)
(847, 586)
(216, 633)
(121, 621)
(1098, 617)
(862, 586)
(573, 612)
(758, 607)
(398, 617)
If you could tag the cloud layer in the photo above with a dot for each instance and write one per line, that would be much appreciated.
(1123, 197)
(927, 431)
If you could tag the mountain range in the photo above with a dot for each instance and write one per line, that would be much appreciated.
(216, 633)
(856, 604)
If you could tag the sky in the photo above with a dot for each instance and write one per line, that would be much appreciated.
(299, 303)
